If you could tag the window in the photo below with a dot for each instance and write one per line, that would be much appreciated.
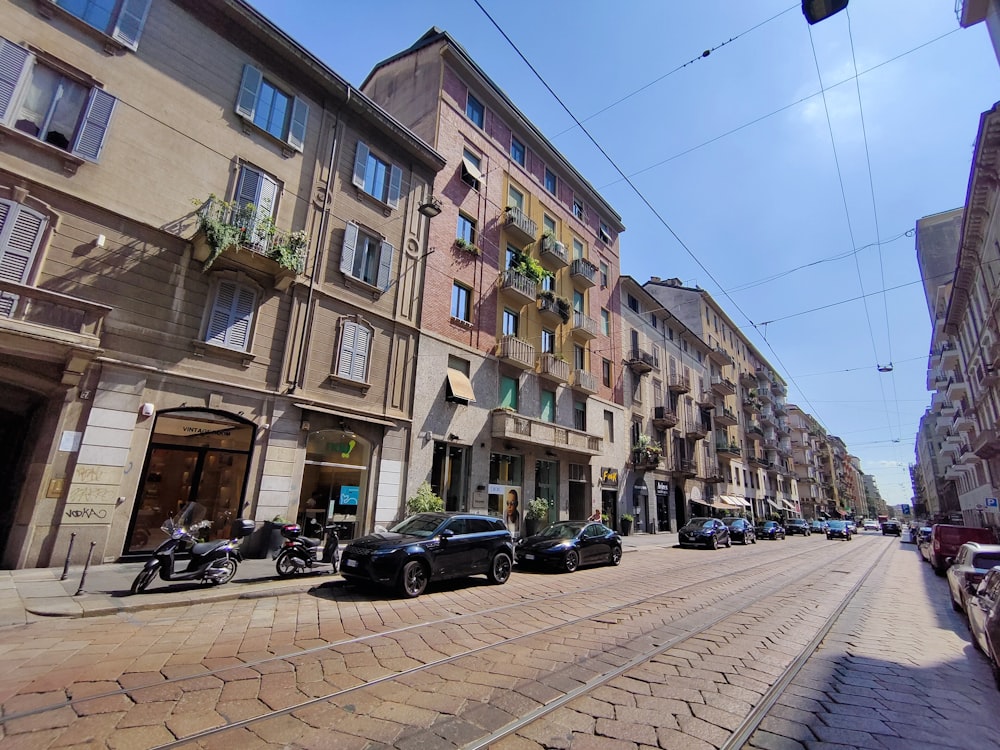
(365, 257)
(513, 256)
(474, 110)
(355, 345)
(654, 321)
(605, 322)
(609, 426)
(379, 179)
(517, 150)
(550, 181)
(578, 209)
(579, 357)
(510, 321)
(606, 372)
(50, 105)
(549, 283)
(633, 303)
(577, 249)
(231, 318)
(604, 275)
(547, 406)
(605, 234)
(472, 174)
(271, 109)
(580, 415)
(549, 224)
(548, 341)
(466, 229)
(508, 392)
(21, 232)
(256, 196)
(461, 304)
(578, 301)
(515, 198)
(122, 21)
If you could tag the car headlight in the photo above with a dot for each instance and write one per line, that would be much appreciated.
(384, 552)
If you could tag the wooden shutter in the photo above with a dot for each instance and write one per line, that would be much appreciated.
(90, 137)
(297, 126)
(395, 183)
(359, 365)
(243, 309)
(347, 251)
(20, 232)
(232, 316)
(254, 188)
(345, 358)
(384, 265)
(246, 101)
(218, 321)
(130, 21)
(360, 164)
(13, 59)
(267, 199)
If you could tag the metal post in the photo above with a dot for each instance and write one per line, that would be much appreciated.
(85, 566)
(72, 538)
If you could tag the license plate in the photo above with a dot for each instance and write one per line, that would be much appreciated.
(529, 557)
(351, 563)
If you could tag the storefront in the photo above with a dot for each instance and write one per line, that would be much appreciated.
(609, 495)
(662, 490)
(505, 497)
(335, 481)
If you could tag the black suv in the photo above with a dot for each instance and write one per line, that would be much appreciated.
(797, 526)
(891, 527)
(430, 547)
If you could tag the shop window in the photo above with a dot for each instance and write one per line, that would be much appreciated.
(335, 481)
(52, 106)
(448, 475)
(366, 257)
(353, 352)
(230, 322)
(266, 106)
(377, 177)
(122, 21)
(21, 232)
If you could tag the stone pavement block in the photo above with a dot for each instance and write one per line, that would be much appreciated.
(591, 742)
(768, 741)
(89, 730)
(861, 723)
(717, 716)
(671, 739)
(791, 729)
(702, 730)
(645, 716)
(626, 731)
(850, 737)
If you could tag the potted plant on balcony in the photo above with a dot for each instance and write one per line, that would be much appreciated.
(529, 267)
(626, 519)
(465, 246)
(535, 515)
(547, 240)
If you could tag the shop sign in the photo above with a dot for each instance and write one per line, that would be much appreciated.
(609, 476)
(349, 495)
(662, 488)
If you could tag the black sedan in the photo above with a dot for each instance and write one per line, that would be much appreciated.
(770, 530)
(741, 530)
(839, 530)
(797, 526)
(891, 527)
(570, 544)
(704, 532)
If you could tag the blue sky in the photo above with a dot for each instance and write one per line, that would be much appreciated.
(784, 225)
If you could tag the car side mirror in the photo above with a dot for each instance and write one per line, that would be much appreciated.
(446, 535)
(949, 561)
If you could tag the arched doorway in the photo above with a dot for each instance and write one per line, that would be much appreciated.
(194, 455)
(335, 481)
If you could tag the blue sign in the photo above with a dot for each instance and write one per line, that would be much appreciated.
(991, 502)
(349, 495)
(905, 509)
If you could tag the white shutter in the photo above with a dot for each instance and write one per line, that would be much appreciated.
(20, 232)
(360, 164)
(348, 336)
(395, 184)
(13, 58)
(222, 309)
(243, 308)
(232, 316)
(384, 265)
(297, 126)
(267, 199)
(90, 138)
(347, 251)
(246, 101)
(359, 366)
(131, 19)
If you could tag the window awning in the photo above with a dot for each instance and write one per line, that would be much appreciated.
(773, 503)
(714, 503)
(788, 505)
(471, 171)
(459, 387)
(736, 500)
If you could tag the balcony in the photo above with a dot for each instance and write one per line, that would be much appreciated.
(728, 451)
(720, 356)
(584, 327)
(748, 380)
(583, 273)
(509, 425)
(664, 418)
(552, 254)
(726, 417)
(957, 389)
(644, 458)
(767, 417)
(41, 325)
(517, 352)
(954, 472)
(964, 422)
(584, 381)
(758, 461)
(553, 368)
(780, 408)
(763, 374)
(723, 386)
(640, 362)
(755, 432)
(751, 404)
(949, 355)
(778, 389)
(712, 474)
(684, 468)
(967, 456)
(517, 223)
(705, 399)
(696, 430)
(678, 383)
(518, 285)
(764, 395)
(553, 309)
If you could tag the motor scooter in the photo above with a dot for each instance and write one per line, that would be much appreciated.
(210, 562)
(298, 553)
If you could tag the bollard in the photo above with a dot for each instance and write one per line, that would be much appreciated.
(85, 566)
(72, 538)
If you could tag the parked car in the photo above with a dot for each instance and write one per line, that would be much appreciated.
(818, 527)
(839, 530)
(770, 530)
(984, 619)
(892, 528)
(570, 544)
(869, 525)
(797, 526)
(741, 530)
(430, 547)
(946, 539)
(970, 567)
(707, 532)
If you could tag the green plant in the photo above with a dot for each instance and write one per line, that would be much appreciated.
(646, 443)
(547, 294)
(527, 266)
(228, 224)
(462, 244)
(627, 517)
(537, 510)
(424, 501)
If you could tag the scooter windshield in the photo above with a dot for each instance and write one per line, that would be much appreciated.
(190, 516)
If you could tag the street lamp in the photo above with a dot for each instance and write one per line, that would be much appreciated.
(431, 208)
(818, 10)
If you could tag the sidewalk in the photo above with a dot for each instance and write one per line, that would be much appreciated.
(29, 594)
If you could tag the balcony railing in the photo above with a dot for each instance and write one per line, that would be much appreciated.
(225, 226)
(518, 223)
(584, 381)
(516, 352)
(726, 417)
(510, 425)
(553, 254)
(678, 383)
(696, 430)
(685, 467)
(721, 356)
(641, 362)
(584, 326)
(723, 386)
(583, 272)
(552, 367)
(518, 284)
(664, 417)
(644, 458)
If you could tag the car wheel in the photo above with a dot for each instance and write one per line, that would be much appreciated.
(616, 556)
(729, 542)
(955, 605)
(572, 561)
(500, 569)
(753, 541)
(413, 579)
(714, 544)
(938, 570)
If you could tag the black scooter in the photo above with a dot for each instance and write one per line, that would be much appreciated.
(298, 553)
(209, 562)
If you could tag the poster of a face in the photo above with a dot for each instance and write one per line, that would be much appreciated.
(512, 512)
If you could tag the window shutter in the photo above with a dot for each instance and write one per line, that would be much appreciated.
(239, 331)
(131, 19)
(13, 58)
(232, 316)
(395, 183)
(360, 164)
(20, 232)
(359, 365)
(347, 251)
(384, 265)
(347, 339)
(246, 102)
(297, 127)
(267, 199)
(90, 139)
(218, 321)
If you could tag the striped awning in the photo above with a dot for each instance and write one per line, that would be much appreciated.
(735, 500)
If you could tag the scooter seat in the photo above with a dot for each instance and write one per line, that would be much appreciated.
(308, 541)
(203, 548)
